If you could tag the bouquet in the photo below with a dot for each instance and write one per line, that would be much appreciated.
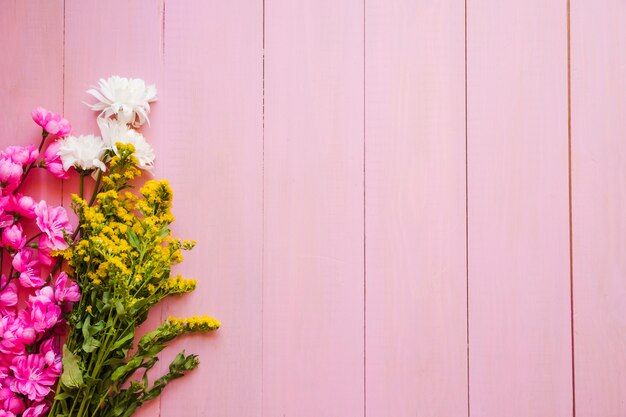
(73, 297)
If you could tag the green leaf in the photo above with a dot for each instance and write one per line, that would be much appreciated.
(86, 327)
(62, 396)
(121, 342)
(90, 344)
(72, 377)
(133, 239)
(119, 307)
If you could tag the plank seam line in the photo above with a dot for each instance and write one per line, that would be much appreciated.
(467, 325)
(364, 233)
(162, 31)
(569, 184)
(63, 93)
(262, 411)
(162, 307)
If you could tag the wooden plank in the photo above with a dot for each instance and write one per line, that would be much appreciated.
(32, 50)
(415, 208)
(113, 38)
(313, 253)
(598, 41)
(519, 277)
(212, 152)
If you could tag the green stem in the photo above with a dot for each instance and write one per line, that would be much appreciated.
(81, 190)
(96, 189)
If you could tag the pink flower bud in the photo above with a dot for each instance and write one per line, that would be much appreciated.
(23, 205)
(13, 237)
(22, 155)
(51, 122)
(54, 165)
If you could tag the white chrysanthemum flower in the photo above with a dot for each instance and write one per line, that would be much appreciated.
(82, 152)
(113, 132)
(125, 98)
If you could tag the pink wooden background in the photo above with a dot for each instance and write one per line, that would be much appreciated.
(403, 207)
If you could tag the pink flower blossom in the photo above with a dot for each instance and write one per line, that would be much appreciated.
(29, 269)
(22, 155)
(54, 165)
(4, 413)
(11, 402)
(63, 292)
(10, 173)
(51, 122)
(8, 296)
(24, 329)
(44, 313)
(33, 376)
(13, 237)
(50, 347)
(10, 335)
(45, 250)
(36, 411)
(23, 205)
(54, 223)
(6, 219)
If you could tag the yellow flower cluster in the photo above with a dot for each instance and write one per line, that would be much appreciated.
(194, 324)
(126, 250)
(180, 285)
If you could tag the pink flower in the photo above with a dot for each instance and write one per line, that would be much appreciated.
(24, 329)
(10, 402)
(22, 155)
(10, 173)
(54, 223)
(6, 219)
(33, 376)
(63, 292)
(4, 413)
(23, 205)
(13, 237)
(10, 335)
(36, 411)
(29, 269)
(51, 122)
(45, 250)
(50, 349)
(44, 313)
(54, 165)
(8, 296)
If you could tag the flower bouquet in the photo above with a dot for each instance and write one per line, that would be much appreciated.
(71, 298)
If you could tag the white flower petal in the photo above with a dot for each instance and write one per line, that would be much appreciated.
(125, 98)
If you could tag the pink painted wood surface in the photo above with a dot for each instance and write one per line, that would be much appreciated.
(212, 151)
(415, 208)
(326, 187)
(598, 62)
(519, 293)
(32, 54)
(313, 363)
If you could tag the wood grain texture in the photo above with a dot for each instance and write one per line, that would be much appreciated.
(212, 152)
(519, 297)
(313, 263)
(31, 47)
(598, 42)
(415, 208)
